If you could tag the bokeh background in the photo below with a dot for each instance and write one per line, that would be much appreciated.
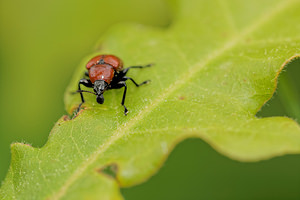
(42, 42)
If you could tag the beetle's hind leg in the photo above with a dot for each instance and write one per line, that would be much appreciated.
(135, 83)
(124, 71)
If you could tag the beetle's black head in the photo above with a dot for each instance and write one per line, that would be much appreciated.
(99, 87)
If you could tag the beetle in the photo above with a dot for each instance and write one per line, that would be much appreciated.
(106, 72)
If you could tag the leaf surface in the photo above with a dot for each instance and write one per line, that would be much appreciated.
(215, 66)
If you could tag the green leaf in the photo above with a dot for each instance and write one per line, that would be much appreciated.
(216, 65)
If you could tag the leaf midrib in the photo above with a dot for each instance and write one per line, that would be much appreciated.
(167, 92)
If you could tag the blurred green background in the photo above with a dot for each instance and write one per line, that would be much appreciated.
(42, 42)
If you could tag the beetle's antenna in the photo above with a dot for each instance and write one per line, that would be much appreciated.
(83, 91)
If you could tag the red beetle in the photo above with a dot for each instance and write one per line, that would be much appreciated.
(106, 72)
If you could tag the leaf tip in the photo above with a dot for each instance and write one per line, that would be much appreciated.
(20, 145)
(19, 149)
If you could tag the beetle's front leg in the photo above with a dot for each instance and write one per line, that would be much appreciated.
(86, 83)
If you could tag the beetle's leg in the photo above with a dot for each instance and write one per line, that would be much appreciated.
(123, 84)
(86, 83)
(86, 73)
(124, 71)
(119, 85)
(137, 85)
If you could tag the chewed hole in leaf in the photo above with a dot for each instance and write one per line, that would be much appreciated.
(286, 100)
(75, 112)
(109, 170)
